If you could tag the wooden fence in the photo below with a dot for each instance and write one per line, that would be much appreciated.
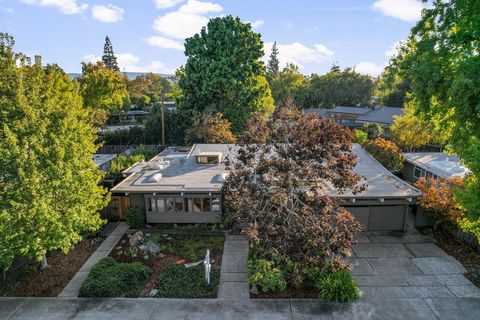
(116, 209)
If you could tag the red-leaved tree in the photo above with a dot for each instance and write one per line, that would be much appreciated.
(279, 186)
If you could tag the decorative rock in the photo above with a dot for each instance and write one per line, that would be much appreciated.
(136, 238)
(151, 247)
(254, 290)
(148, 226)
(153, 292)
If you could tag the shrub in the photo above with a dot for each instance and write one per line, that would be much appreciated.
(386, 152)
(262, 273)
(176, 281)
(360, 136)
(337, 287)
(135, 218)
(121, 163)
(111, 279)
(438, 199)
(373, 130)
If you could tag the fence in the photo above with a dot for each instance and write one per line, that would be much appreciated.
(121, 148)
(116, 208)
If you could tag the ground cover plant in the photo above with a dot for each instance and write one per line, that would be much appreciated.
(176, 281)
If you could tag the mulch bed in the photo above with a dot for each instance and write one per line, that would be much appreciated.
(155, 263)
(466, 255)
(62, 267)
(307, 291)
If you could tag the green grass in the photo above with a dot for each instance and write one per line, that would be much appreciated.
(176, 281)
(190, 247)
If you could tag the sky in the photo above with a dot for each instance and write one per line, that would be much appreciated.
(148, 35)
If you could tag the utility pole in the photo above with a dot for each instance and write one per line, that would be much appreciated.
(163, 120)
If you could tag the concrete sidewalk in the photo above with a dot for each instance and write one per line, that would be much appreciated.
(166, 309)
(72, 289)
(233, 274)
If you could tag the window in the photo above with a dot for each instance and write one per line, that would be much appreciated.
(206, 205)
(197, 204)
(216, 205)
(429, 175)
(417, 172)
(178, 204)
(159, 204)
(170, 204)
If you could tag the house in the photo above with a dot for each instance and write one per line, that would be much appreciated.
(431, 165)
(354, 117)
(183, 185)
(103, 161)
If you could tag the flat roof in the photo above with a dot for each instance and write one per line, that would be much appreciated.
(381, 115)
(439, 163)
(181, 173)
(350, 110)
(101, 159)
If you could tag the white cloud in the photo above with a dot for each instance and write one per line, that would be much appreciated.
(299, 54)
(64, 6)
(164, 4)
(108, 13)
(406, 10)
(187, 20)
(370, 68)
(130, 62)
(257, 24)
(161, 42)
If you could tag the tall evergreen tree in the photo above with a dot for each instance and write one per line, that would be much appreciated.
(109, 58)
(273, 66)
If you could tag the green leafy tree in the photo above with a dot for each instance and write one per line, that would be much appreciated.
(104, 91)
(345, 88)
(386, 152)
(441, 59)
(109, 58)
(273, 65)
(224, 73)
(50, 193)
(148, 88)
(288, 86)
(211, 129)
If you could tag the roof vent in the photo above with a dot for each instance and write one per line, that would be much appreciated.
(222, 177)
(156, 177)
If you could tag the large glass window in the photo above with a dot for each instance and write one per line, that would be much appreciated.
(206, 204)
(170, 203)
(197, 204)
(216, 205)
(159, 204)
(179, 204)
(417, 172)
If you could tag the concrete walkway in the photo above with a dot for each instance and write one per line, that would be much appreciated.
(72, 289)
(233, 275)
(211, 309)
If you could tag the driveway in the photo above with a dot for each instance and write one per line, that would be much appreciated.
(400, 266)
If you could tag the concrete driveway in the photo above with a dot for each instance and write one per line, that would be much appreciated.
(399, 266)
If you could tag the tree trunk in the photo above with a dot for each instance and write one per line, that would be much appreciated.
(44, 262)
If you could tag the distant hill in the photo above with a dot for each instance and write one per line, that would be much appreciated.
(130, 75)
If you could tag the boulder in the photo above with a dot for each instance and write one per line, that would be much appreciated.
(136, 238)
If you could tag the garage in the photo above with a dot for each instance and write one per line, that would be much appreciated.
(380, 218)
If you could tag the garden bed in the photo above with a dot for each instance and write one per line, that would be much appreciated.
(26, 280)
(175, 250)
(466, 255)
(306, 291)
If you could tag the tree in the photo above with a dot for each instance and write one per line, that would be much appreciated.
(273, 66)
(224, 73)
(373, 130)
(50, 193)
(277, 190)
(288, 86)
(441, 59)
(412, 131)
(109, 58)
(104, 91)
(393, 87)
(386, 152)
(344, 88)
(438, 199)
(148, 89)
(211, 129)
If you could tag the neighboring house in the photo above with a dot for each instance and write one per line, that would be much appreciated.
(357, 116)
(119, 128)
(169, 105)
(432, 165)
(103, 161)
(184, 186)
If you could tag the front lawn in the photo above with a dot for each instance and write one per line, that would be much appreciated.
(180, 282)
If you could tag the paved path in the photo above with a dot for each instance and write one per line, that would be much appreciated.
(399, 266)
(233, 275)
(73, 287)
(212, 309)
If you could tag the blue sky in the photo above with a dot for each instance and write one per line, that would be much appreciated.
(148, 35)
